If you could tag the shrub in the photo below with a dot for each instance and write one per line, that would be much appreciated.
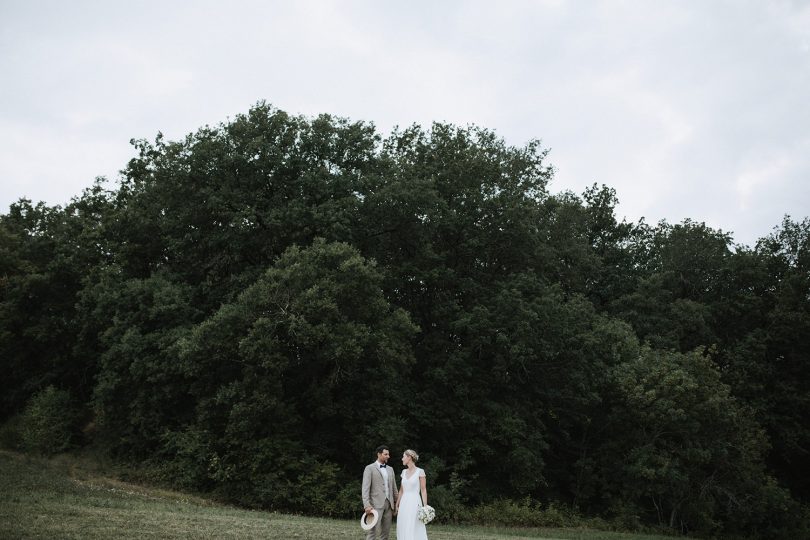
(523, 513)
(346, 502)
(448, 505)
(185, 460)
(769, 513)
(314, 489)
(11, 433)
(49, 422)
(625, 516)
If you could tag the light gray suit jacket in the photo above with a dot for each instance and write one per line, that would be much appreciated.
(374, 494)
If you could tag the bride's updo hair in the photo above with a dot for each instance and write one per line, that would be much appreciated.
(413, 455)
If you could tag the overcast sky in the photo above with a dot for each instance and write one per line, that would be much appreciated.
(689, 109)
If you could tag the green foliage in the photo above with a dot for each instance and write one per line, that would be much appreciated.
(524, 513)
(217, 208)
(692, 454)
(319, 489)
(185, 461)
(672, 304)
(49, 422)
(259, 305)
(140, 391)
(779, 380)
(11, 433)
(287, 353)
(50, 253)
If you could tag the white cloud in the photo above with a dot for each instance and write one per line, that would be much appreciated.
(40, 164)
(764, 173)
(689, 109)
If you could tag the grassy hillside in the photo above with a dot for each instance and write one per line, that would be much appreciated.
(64, 498)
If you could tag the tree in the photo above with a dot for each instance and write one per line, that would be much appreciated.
(49, 422)
(218, 207)
(684, 270)
(226, 310)
(141, 389)
(280, 377)
(51, 250)
(689, 453)
(781, 354)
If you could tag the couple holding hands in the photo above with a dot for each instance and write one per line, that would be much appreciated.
(382, 501)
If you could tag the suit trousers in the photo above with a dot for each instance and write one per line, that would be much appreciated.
(383, 527)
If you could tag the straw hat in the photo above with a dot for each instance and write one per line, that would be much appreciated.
(369, 524)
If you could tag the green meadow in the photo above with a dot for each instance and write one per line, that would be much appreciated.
(67, 498)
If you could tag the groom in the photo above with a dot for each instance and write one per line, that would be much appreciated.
(380, 493)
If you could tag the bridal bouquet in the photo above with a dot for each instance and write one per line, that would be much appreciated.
(425, 514)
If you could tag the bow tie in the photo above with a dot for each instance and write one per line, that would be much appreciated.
(383, 466)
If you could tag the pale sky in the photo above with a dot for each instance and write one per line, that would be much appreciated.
(688, 108)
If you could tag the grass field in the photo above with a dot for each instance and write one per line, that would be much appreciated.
(66, 498)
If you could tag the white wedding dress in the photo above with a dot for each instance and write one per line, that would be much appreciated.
(408, 527)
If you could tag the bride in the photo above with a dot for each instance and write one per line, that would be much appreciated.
(412, 486)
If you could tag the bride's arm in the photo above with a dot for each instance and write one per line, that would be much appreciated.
(423, 485)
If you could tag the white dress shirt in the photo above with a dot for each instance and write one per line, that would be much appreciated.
(384, 472)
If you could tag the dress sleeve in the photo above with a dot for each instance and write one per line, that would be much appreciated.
(421, 472)
(403, 473)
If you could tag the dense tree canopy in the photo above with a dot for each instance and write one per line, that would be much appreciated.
(251, 310)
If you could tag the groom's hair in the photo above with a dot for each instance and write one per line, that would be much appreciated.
(381, 449)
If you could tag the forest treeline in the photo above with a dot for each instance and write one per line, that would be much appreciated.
(250, 311)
